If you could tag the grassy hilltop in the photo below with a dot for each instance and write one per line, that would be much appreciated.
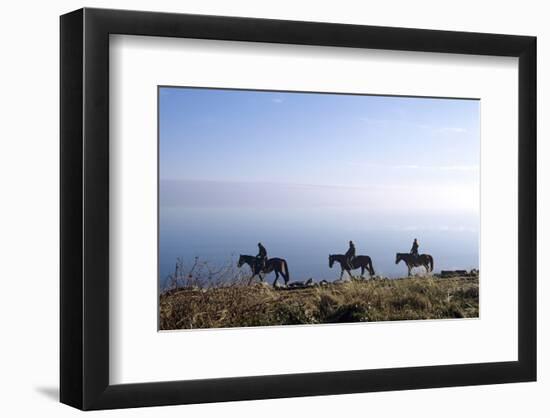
(353, 301)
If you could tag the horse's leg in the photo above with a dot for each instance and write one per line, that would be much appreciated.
(254, 273)
(276, 277)
(341, 272)
(362, 271)
(285, 276)
(409, 267)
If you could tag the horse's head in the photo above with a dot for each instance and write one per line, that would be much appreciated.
(330, 260)
(241, 261)
(398, 257)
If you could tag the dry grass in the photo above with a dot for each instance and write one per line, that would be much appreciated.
(355, 301)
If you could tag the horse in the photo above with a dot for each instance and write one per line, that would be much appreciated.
(278, 265)
(360, 261)
(422, 260)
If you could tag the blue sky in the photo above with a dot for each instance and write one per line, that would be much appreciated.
(305, 173)
(275, 149)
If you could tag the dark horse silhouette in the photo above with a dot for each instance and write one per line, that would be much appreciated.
(422, 260)
(278, 265)
(361, 261)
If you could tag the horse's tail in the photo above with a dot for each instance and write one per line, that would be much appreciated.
(431, 260)
(371, 268)
(284, 269)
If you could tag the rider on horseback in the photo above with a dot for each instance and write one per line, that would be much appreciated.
(414, 249)
(350, 254)
(261, 257)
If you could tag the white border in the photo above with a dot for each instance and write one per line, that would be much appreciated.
(138, 353)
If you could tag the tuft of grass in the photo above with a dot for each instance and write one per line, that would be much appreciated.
(240, 305)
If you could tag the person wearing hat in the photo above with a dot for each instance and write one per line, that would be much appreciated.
(261, 257)
(350, 254)
(414, 249)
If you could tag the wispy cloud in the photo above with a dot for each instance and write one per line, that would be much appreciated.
(459, 167)
(277, 100)
(452, 130)
(416, 166)
(430, 227)
(415, 125)
(374, 121)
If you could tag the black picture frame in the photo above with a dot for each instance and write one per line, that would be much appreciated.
(84, 284)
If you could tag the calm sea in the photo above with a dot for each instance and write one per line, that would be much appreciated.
(306, 237)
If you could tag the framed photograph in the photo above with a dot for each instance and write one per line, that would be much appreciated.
(257, 208)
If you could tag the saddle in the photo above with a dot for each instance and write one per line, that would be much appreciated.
(261, 264)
